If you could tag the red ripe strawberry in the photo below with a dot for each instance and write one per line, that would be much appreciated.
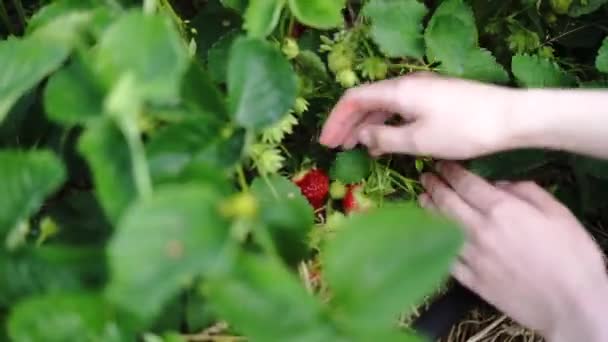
(355, 200)
(314, 185)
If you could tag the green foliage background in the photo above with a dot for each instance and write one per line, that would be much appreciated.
(146, 152)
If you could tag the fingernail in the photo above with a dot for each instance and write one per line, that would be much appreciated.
(439, 166)
(365, 137)
(423, 199)
(424, 179)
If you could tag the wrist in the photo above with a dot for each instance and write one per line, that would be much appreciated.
(527, 124)
(584, 318)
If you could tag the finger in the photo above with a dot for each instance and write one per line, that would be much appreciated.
(390, 139)
(399, 95)
(532, 193)
(426, 202)
(357, 103)
(473, 189)
(450, 204)
(471, 254)
(375, 118)
(464, 275)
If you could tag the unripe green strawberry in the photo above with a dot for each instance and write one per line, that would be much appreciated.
(347, 78)
(334, 221)
(306, 86)
(550, 18)
(546, 52)
(340, 58)
(290, 48)
(242, 205)
(337, 190)
(374, 68)
(561, 6)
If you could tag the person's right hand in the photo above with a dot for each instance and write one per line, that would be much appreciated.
(446, 118)
(525, 253)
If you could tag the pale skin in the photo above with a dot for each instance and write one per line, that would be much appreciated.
(525, 252)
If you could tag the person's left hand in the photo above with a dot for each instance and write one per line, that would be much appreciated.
(525, 253)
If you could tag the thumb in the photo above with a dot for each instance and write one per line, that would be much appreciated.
(382, 139)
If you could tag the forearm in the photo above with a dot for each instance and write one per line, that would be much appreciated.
(572, 120)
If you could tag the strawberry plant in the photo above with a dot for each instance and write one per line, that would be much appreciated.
(162, 179)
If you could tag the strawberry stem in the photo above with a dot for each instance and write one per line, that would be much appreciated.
(5, 19)
(241, 178)
(20, 13)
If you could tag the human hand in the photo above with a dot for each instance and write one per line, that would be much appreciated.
(525, 253)
(447, 118)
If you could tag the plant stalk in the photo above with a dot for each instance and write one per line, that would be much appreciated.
(241, 177)
(5, 19)
(410, 66)
(20, 13)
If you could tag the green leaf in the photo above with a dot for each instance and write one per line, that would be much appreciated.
(105, 149)
(201, 95)
(508, 164)
(223, 153)
(218, 56)
(179, 234)
(384, 262)
(261, 299)
(482, 66)
(47, 270)
(595, 84)
(351, 166)
(287, 214)
(150, 48)
(24, 64)
(237, 5)
(72, 96)
(451, 38)
(601, 62)
(80, 218)
(47, 14)
(62, 318)
(212, 23)
(397, 26)
(449, 41)
(591, 166)
(538, 72)
(582, 7)
(321, 14)
(457, 16)
(262, 16)
(26, 179)
(70, 28)
(261, 83)
(310, 64)
(172, 148)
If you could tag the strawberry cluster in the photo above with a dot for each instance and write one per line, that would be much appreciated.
(315, 186)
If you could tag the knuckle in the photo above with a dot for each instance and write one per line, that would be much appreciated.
(440, 197)
(497, 208)
(526, 186)
(416, 142)
(486, 240)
